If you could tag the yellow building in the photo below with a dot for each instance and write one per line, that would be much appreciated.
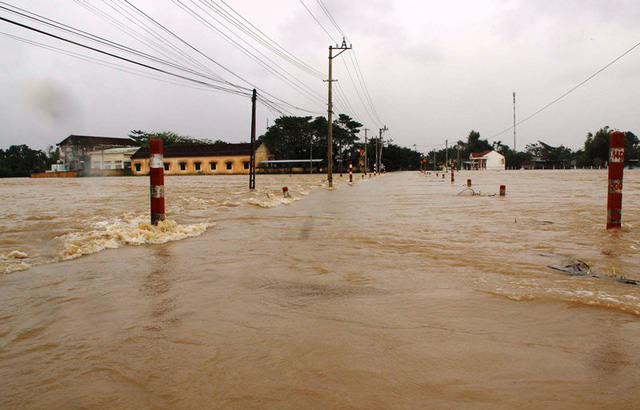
(201, 159)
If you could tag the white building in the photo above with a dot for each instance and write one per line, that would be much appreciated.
(112, 158)
(491, 160)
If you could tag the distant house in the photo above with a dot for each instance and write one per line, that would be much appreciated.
(489, 160)
(76, 150)
(201, 159)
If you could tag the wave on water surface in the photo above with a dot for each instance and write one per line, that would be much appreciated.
(137, 231)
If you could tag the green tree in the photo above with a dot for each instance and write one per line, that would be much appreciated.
(21, 161)
(290, 137)
(559, 157)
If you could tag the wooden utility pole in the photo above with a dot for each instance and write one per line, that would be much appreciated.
(343, 48)
(252, 158)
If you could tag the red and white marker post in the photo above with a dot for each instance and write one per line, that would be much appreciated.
(452, 177)
(616, 167)
(350, 171)
(156, 173)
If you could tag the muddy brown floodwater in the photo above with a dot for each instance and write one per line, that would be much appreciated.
(395, 292)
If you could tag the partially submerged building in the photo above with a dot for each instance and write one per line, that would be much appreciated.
(201, 159)
(487, 160)
(77, 151)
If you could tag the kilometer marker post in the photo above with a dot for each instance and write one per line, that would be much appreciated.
(616, 167)
(156, 174)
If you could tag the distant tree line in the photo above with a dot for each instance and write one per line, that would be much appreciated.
(292, 137)
(595, 151)
(298, 137)
(21, 161)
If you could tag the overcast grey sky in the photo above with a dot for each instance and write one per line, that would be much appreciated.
(433, 70)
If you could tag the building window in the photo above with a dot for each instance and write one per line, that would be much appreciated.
(212, 165)
(138, 167)
(106, 165)
(183, 166)
(166, 166)
(197, 166)
(245, 164)
(97, 164)
(118, 164)
(229, 165)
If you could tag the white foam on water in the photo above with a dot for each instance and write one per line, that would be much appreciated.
(269, 201)
(15, 255)
(136, 231)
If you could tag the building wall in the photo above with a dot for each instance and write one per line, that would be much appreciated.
(98, 160)
(495, 161)
(237, 164)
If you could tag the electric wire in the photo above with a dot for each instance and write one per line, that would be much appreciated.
(100, 40)
(317, 21)
(357, 92)
(260, 37)
(331, 19)
(160, 70)
(567, 93)
(302, 88)
(170, 48)
(103, 63)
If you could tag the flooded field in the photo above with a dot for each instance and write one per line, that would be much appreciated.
(400, 291)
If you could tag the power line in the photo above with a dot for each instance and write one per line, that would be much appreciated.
(102, 62)
(160, 70)
(317, 21)
(259, 36)
(331, 19)
(270, 104)
(567, 93)
(302, 88)
(100, 40)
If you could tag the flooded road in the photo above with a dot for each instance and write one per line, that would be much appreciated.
(396, 292)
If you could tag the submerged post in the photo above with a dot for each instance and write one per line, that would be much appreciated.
(616, 166)
(350, 171)
(156, 174)
(503, 190)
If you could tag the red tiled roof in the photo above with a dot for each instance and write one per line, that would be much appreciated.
(480, 154)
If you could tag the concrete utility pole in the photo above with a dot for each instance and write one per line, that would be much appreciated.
(376, 170)
(252, 158)
(514, 121)
(446, 154)
(379, 161)
(311, 155)
(343, 48)
(366, 161)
